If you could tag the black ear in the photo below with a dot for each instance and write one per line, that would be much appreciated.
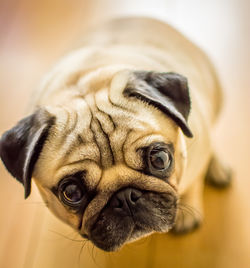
(167, 91)
(20, 146)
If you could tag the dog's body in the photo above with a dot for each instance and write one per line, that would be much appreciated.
(102, 121)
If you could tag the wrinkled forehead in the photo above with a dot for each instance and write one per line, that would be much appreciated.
(99, 130)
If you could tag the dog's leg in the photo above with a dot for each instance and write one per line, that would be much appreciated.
(190, 208)
(218, 174)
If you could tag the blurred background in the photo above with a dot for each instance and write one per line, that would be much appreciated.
(33, 36)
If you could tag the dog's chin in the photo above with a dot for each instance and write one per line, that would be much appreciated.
(129, 232)
(112, 230)
(108, 241)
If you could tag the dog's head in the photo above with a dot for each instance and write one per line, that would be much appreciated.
(109, 163)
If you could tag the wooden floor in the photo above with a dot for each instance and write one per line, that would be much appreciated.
(33, 35)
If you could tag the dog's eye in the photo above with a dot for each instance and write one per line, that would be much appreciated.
(71, 192)
(159, 160)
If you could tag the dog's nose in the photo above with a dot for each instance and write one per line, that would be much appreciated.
(125, 199)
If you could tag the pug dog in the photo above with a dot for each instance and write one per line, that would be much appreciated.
(118, 140)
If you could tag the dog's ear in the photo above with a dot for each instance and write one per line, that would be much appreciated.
(167, 91)
(20, 146)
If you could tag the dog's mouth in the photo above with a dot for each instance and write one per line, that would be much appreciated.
(123, 221)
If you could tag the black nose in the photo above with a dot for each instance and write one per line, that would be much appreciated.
(125, 199)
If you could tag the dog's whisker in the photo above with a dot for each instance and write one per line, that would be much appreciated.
(183, 217)
(191, 208)
(66, 237)
(80, 252)
(183, 204)
(91, 252)
(185, 210)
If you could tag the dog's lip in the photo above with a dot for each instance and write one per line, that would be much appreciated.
(89, 219)
(136, 232)
(135, 229)
(133, 236)
(145, 183)
(116, 246)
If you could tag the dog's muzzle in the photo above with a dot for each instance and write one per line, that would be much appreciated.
(132, 213)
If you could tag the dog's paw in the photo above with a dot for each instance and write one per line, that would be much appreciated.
(187, 220)
(218, 174)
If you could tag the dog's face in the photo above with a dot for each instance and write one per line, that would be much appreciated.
(109, 163)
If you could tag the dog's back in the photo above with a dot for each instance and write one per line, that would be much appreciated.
(142, 44)
(169, 50)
